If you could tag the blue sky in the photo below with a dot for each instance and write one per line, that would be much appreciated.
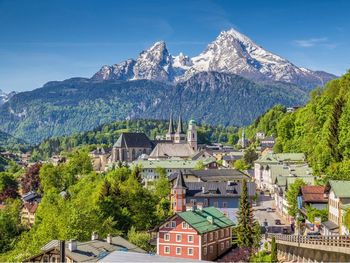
(47, 40)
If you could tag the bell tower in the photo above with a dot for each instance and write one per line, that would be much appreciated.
(180, 136)
(192, 135)
(171, 131)
(178, 194)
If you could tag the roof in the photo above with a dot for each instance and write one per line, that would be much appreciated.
(281, 157)
(345, 206)
(220, 174)
(217, 189)
(166, 150)
(31, 207)
(121, 256)
(27, 197)
(133, 140)
(340, 188)
(94, 250)
(180, 182)
(168, 163)
(200, 219)
(313, 194)
(330, 225)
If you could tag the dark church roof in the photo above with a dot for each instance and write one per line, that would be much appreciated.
(133, 140)
(180, 182)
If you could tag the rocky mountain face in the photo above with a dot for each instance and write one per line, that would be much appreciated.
(230, 52)
(4, 97)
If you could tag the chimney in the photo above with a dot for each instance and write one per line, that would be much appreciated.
(62, 251)
(109, 239)
(94, 236)
(72, 245)
(200, 206)
(210, 219)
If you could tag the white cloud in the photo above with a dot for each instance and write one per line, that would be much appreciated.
(311, 42)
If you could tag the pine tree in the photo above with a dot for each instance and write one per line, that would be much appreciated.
(273, 250)
(245, 233)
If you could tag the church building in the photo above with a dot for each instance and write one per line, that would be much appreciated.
(177, 144)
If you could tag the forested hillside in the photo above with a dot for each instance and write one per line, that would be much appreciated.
(106, 135)
(75, 105)
(321, 129)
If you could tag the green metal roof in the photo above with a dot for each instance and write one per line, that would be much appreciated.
(200, 219)
(345, 206)
(340, 188)
(281, 157)
(183, 164)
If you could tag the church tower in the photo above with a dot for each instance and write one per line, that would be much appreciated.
(192, 135)
(171, 131)
(180, 135)
(178, 194)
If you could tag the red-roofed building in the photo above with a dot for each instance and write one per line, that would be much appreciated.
(28, 213)
(314, 195)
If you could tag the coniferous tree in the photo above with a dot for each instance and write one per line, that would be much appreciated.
(245, 237)
(273, 250)
(333, 139)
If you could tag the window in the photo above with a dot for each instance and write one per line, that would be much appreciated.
(211, 236)
(210, 249)
(167, 225)
(53, 259)
(190, 238)
(205, 238)
(178, 250)
(227, 230)
(173, 224)
(178, 237)
(227, 244)
(216, 204)
(184, 225)
(224, 204)
(166, 250)
(222, 245)
(216, 235)
(221, 233)
(190, 251)
(193, 201)
(205, 202)
(205, 252)
(45, 259)
(166, 237)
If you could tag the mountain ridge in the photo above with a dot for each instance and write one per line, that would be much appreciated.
(230, 52)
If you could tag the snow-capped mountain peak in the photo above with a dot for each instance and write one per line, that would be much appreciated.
(4, 97)
(231, 52)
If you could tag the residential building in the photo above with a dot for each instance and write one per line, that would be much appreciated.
(28, 213)
(314, 196)
(99, 159)
(211, 192)
(267, 142)
(91, 251)
(338, 202)
(30, 205)
(130, 146)
(197, 234)
(268, 166)
(281, 184)
(149, 167)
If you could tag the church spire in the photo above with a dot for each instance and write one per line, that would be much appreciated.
(171, 129)
(180, 129)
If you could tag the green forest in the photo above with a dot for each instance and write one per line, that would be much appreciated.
(72, 209)
(320, 129)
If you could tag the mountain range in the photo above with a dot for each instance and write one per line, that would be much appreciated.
(231, 82)
(4, 97)
(231, 52)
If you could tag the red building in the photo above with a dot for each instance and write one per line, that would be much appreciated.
(198, 234)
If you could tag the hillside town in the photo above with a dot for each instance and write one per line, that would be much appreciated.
(205, 196)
